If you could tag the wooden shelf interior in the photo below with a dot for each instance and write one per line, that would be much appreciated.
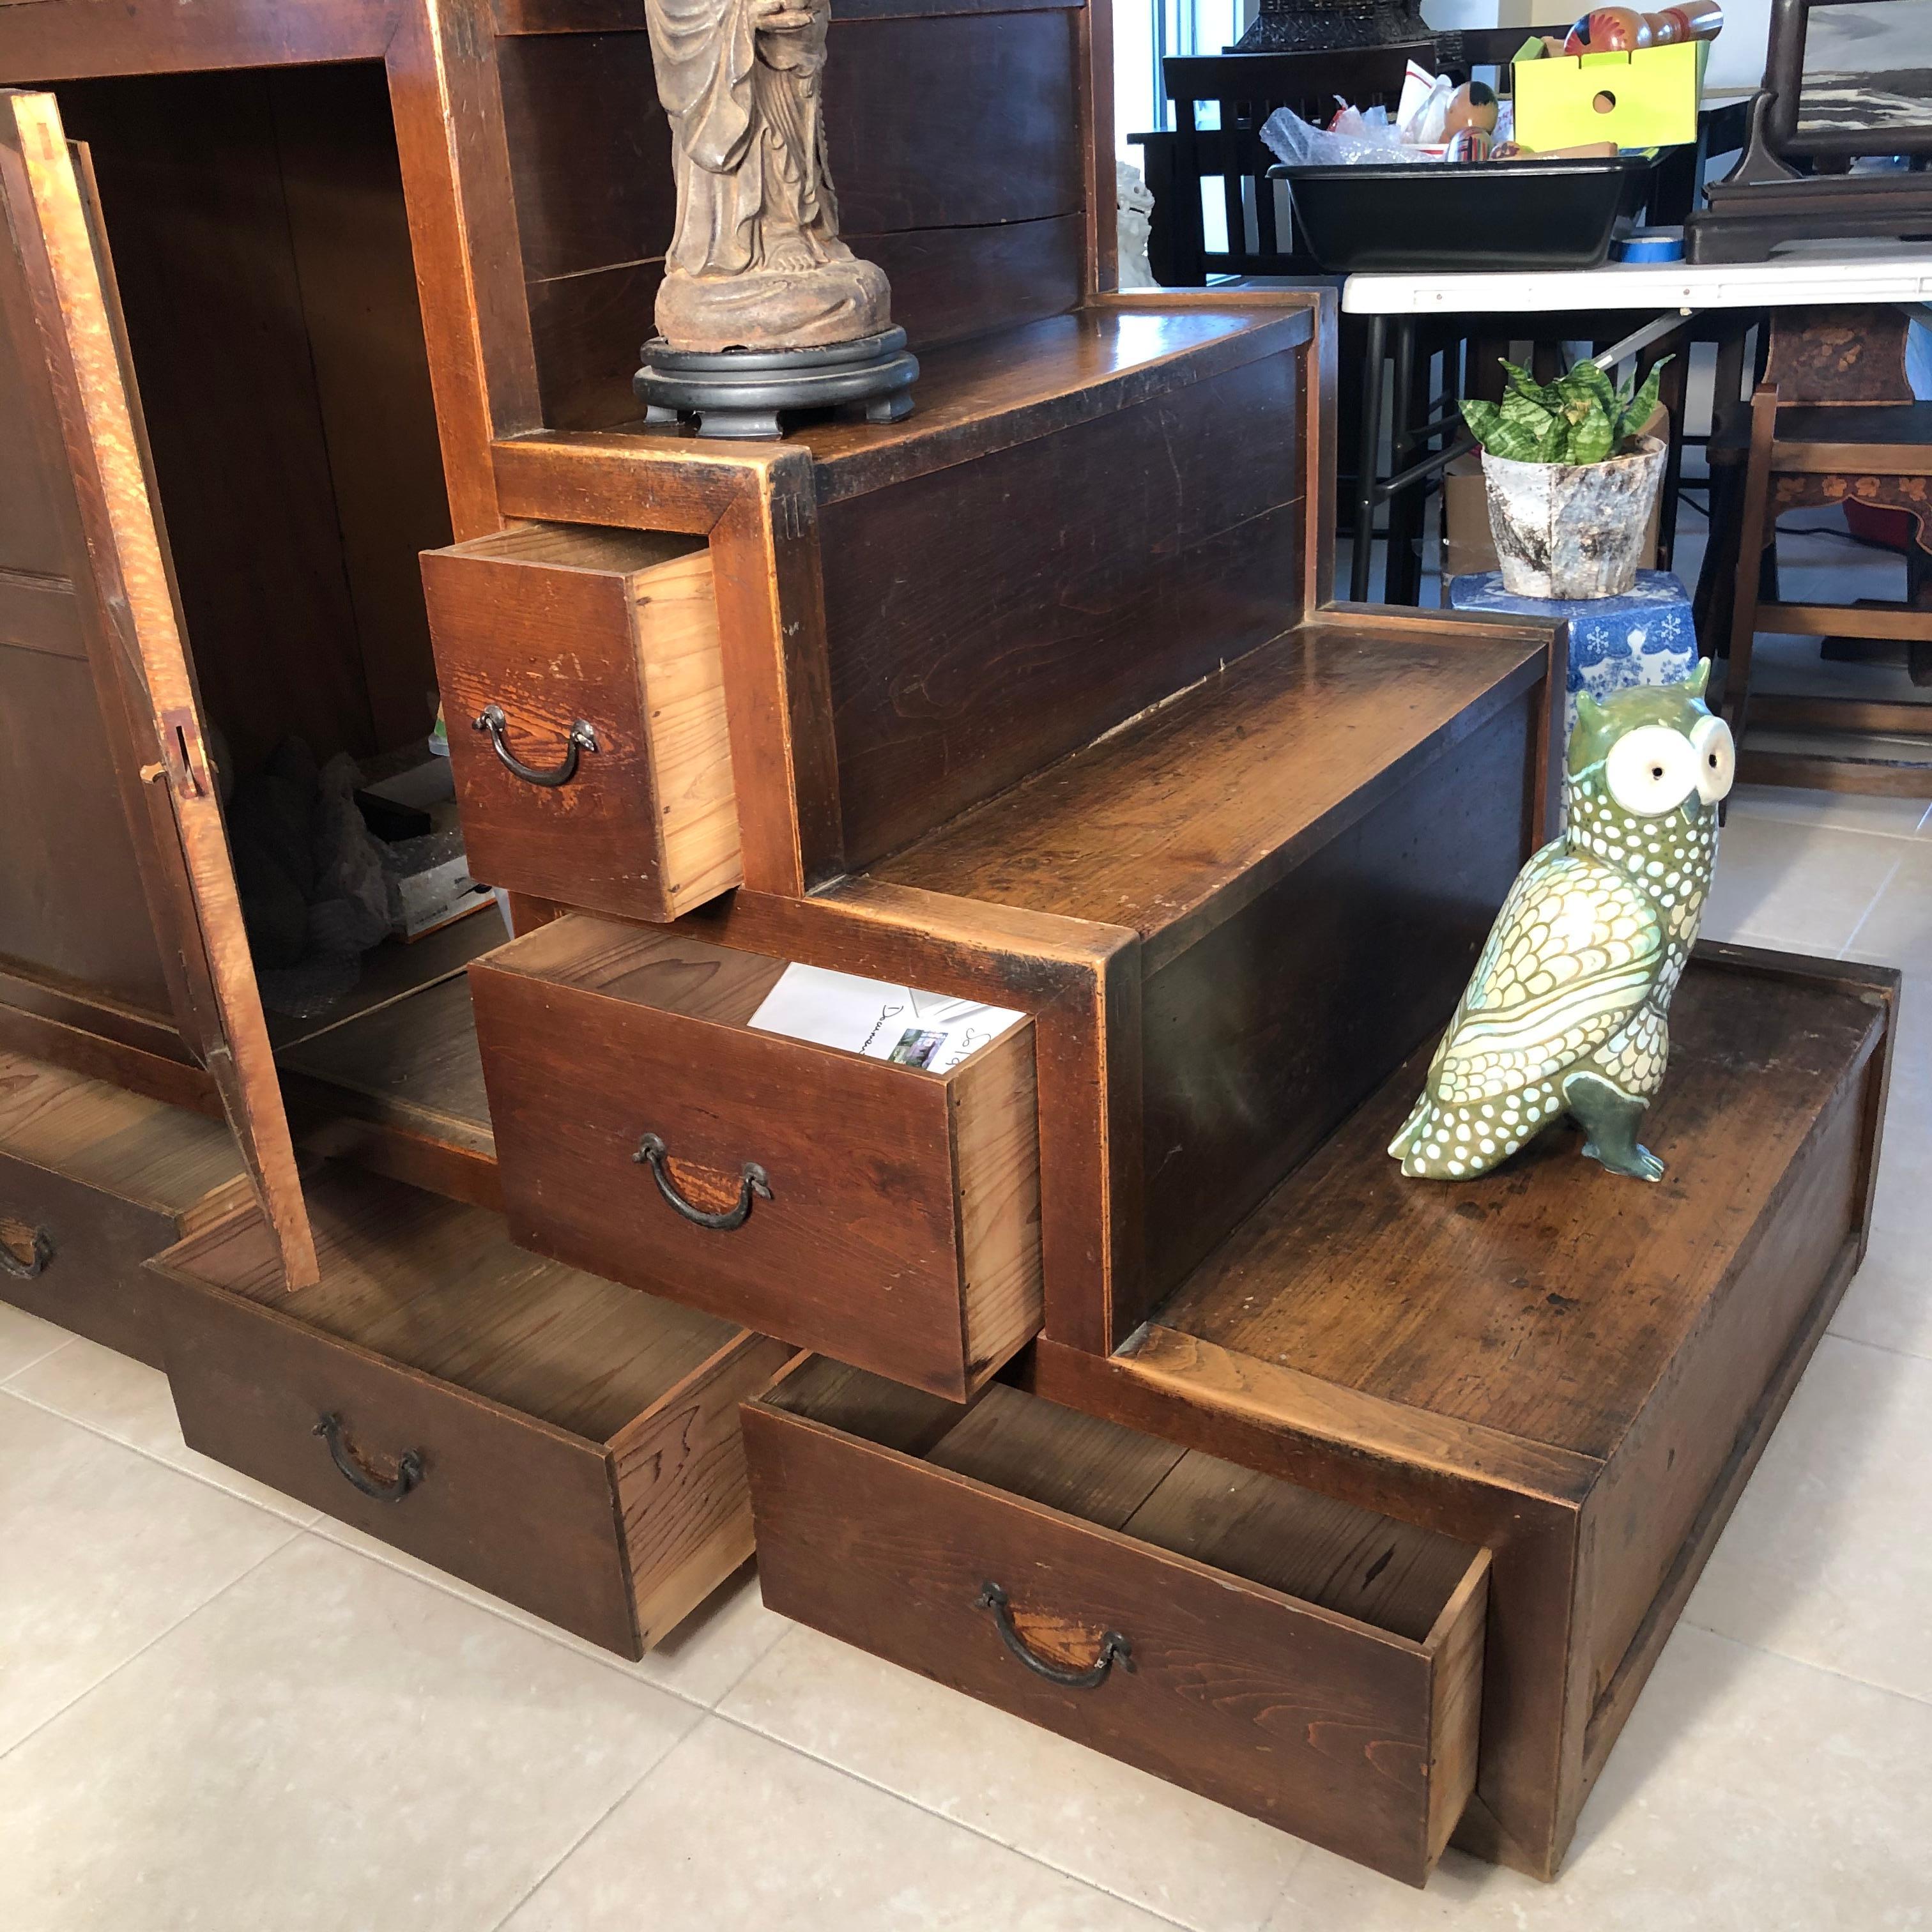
(119, 1143)
(438, 1285)
(1361, 1565)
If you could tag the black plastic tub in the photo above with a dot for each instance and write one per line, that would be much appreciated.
(1465, 215)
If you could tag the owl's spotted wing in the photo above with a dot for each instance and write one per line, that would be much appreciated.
(1573, 955)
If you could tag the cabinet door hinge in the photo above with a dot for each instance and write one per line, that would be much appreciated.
(184, 760)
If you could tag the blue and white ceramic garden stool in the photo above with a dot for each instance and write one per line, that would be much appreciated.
(1647, 637)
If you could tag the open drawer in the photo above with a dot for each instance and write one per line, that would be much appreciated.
(1311, 1664)
(563, 1443)
(585, 696)
(94, 1180)
(882, 1213)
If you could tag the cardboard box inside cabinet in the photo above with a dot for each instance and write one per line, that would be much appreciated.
(1648, 99)
(1467, 546)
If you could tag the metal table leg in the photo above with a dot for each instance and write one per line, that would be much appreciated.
(1368, 460)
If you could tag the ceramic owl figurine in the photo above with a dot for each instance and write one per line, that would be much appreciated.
(1566, 1011)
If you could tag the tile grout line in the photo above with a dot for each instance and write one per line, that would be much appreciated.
(1806, 1664)
(589, 1831)
(80, 1697)
(1878, 1347)
(67, 1340)
(148, 1455)
(977, 1831)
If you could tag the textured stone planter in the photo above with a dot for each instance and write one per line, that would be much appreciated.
(1572, 529)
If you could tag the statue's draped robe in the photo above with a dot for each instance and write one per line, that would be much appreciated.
(747, 139)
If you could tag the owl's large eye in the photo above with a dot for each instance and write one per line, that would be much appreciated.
(1717, 758)
(1651, 770)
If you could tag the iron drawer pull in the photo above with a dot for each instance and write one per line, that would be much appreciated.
(1115, 1649)
(408, 1465)
(583, 738)
(40, 1247)
(754, 1183)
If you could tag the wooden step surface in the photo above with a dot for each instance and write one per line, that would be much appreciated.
(1187, 814)
(1545, 1300)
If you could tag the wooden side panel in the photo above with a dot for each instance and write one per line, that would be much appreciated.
(516, 1508)
(994, 1104)
(1675, 1451)
(1260, 1039)
(683, 1495)
(1155, 558)
(1315, 1723)
(143, 664)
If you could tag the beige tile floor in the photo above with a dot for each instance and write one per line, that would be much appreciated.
(220, 1711)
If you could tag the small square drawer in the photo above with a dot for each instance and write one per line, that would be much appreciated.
(94, 1181)
(1309, 1663)
(585, 700)
(568, 1445)
(883, 1213)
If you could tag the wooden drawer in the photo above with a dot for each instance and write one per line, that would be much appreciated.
(1306, 1662)
(592, 652)
(94, 1180)
(568, 1445)
(899, 1222)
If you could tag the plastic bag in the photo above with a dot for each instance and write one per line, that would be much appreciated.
(1302, 146)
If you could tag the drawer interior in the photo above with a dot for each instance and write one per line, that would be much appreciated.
(437, 1285)
(1397, 1576)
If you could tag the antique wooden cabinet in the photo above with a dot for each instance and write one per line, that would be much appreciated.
(1114, 1376)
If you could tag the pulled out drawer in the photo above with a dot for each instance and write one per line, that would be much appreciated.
(93, 1181)
(880, 1213)
(585, 699)
(1305, 1661)
(565, 1444)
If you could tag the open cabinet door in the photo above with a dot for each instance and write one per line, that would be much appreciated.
(125, 589)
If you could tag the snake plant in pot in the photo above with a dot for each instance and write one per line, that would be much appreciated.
(1570, 480)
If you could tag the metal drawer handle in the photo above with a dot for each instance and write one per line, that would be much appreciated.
(583, 738)
(40, 1248)
(408, 1465)
(753, 1184)
(1115, 1649)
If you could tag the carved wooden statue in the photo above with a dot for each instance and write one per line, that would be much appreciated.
(763, 308)
(757, 261)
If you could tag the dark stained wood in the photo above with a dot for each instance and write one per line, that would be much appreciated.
(573, 1460)
(57, 39)
(1175, 824)
(137, 648)
(1524, 1362)
(590, 155)
(40, 613)
(1313, 1720)
(556, 626)
(947, 689)
(951, 285)
(129, 1050)
(71, 902)
(1263, 1037)
(908, 1240)
(102, 1180)
(586, 329)
(954, 121)
(1501, 1269)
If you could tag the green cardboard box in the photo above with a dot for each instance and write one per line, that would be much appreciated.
(1648, 99)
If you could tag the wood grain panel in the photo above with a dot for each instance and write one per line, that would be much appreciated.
(953, 284)
(589, 152)
(946, 688)
(1512, 1300)
(40, 614)
(954, 121)
(587, 329)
